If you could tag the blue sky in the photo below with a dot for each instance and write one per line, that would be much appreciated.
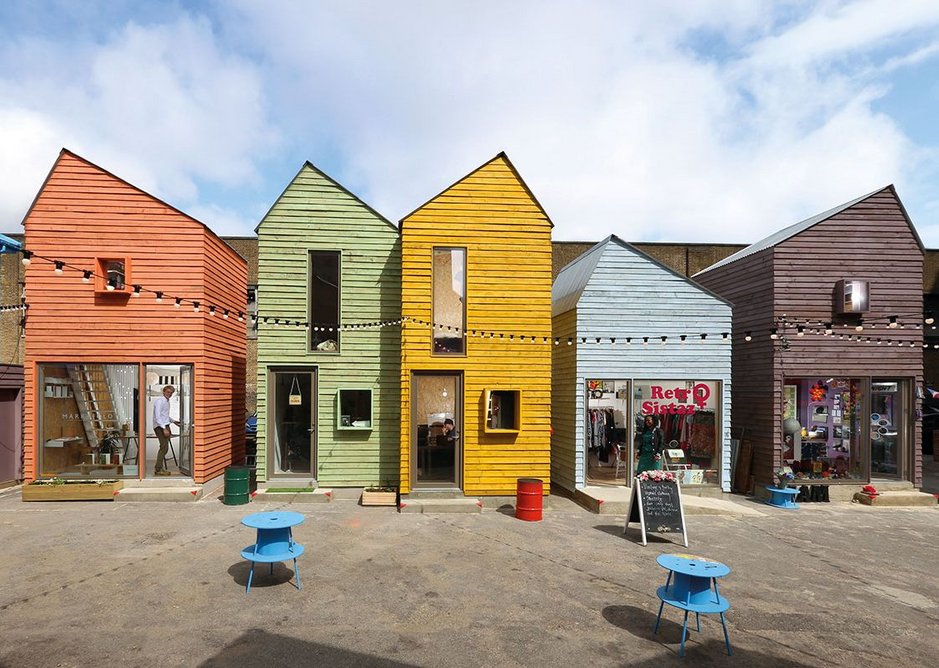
(705, 121)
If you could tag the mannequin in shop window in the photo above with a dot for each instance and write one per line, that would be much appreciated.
(649, 448)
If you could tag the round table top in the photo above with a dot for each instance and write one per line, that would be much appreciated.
(689, 564)
(275, 519)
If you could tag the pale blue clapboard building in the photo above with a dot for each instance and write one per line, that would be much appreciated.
(634, 339)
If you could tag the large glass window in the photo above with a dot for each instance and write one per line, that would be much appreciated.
(686, 415)
(324, 300)
(607, 431)
(822, 422)
(88, 422)
(449, 314)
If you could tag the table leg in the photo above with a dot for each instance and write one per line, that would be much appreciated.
(684, 633)
(658, 618)
(697, 618)
(272, 568)
(250, 576)
(726, 636)
(296, 573)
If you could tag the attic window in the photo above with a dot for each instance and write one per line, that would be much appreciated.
(112, 275)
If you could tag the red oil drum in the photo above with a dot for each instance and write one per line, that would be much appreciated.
(528, 497)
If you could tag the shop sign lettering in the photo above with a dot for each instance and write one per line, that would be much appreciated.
(681, 400)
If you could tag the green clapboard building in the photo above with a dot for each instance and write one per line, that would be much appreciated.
(329, 294)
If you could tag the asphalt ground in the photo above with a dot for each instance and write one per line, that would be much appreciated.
(163, 584)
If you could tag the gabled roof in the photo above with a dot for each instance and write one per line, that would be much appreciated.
(572, 279)
(500, 156)
(66, 152)
(309, 165)
(792, 230)
(8, 245)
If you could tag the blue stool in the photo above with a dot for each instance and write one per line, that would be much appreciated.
(274, 541)
(782, 497)
(691, 591)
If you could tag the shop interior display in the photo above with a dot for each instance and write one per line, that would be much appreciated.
(821, 428)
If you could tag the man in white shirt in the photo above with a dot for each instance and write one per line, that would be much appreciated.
(161, 426)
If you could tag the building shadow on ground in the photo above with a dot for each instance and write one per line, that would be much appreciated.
(704, 648)
(259, 648)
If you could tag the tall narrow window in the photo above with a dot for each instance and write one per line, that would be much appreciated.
(324, 300)
(252, 312)
(449, 300)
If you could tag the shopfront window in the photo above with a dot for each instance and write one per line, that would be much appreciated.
(687, 413)
(607, 432)
(88, 422)
(822, 428)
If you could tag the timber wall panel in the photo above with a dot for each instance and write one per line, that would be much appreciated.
(316, 213)
(869, 240)
(83, 212)
(508, 290)
(629, 296)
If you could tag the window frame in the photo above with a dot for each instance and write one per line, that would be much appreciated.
(487, 407)
(433, 302)
(311, 348)
(101, 275)
(371, 409)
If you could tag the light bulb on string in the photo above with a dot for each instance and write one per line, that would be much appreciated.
(159, 297)
(59, 266)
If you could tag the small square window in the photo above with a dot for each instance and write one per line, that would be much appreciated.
(503, 410)
(354, 409)
(112, 275)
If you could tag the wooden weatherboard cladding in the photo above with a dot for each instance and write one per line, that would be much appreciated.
(872, 239)
(83, 213)
(614, 290)
(507, 237)
(315, 213)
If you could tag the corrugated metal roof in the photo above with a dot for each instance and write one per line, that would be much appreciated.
(8, 245)
(572, 279)
(787, 232)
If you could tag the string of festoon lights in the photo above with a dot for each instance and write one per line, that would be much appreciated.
(785, 327)
(877, 330)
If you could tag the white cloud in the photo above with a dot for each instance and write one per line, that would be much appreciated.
(161, 106)
(702, 121)
(620, 118)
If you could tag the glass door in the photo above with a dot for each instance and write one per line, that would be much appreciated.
(608, 457)
(291, 437)
(889, 431)
(186, 425)
(436, 428)
(168, 394)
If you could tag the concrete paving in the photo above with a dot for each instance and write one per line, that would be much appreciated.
(134, 584)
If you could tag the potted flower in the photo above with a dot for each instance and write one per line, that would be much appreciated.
(783, 476)
(656, 476)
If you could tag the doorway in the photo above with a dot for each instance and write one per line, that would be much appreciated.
(291, 430)
(608, 458)
(437, 429)
(178, 458)
(889, 427)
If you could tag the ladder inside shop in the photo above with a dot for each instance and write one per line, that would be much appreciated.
(95, 403)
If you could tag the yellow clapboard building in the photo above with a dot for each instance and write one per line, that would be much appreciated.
(476, 340)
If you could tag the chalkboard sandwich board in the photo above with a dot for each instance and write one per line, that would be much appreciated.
(656, 505)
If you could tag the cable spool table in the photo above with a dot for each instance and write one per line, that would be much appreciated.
(274, 541)
(688, 588)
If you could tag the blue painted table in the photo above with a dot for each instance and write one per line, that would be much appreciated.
(689, 588)
(274, 541)
(782, 497)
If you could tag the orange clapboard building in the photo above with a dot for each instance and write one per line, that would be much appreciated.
(126, 296)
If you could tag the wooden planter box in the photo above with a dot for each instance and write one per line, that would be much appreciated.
(73, 491)
(379, 498)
